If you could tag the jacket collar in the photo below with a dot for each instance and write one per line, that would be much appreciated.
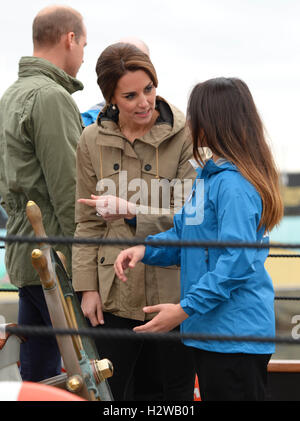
(169, 122)
(212, 167)
(35, 66)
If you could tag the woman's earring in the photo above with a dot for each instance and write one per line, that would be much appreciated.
(112, 111)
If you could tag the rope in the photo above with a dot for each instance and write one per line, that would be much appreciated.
(36, 330)
(134, 242)
(15, 289)
(284, 255)
(128, 334)
(270, 255)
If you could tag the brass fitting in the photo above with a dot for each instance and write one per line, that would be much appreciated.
(102, 369)
(36, 254)
(74, 383)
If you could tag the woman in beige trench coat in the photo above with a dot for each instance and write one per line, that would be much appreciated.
(133, 172)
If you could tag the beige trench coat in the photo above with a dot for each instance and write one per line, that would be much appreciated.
(106, 158)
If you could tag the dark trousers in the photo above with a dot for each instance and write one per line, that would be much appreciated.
(231, 377)
(39, 355)
(146, 370)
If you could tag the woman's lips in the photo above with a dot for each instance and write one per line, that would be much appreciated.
(143, 114)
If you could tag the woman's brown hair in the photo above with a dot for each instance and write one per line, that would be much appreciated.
(222, 116)
(115, 61)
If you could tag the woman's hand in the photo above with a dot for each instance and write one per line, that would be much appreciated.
(111, 207)
(128, 259)
(169, 316)
(91, 306)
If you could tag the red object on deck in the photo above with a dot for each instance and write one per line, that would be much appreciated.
(197, 396)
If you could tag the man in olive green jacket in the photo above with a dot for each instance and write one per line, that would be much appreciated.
(40, 126)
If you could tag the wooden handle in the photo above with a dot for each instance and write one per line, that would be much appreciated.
(40, 264)
(35, 218)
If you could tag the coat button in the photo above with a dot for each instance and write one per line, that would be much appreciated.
(148, 167)
(116, 167)
(102, 260)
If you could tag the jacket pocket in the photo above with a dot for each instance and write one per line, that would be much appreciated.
(109, 285)
(168, 281)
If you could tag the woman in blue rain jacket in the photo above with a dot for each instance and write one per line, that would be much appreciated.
(225, 291)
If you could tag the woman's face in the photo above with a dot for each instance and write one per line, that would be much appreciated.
(135, 97)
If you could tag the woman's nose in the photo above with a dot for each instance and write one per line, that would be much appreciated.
(143, 101)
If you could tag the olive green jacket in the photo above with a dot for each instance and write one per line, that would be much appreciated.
(40, 126)
(105, 158)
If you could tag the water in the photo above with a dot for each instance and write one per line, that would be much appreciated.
(2, 254)
(288, 231)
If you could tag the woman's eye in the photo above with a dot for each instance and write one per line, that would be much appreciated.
(149, 88)
(129, 96)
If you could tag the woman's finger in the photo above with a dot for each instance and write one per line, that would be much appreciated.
(89, 202)
(100, 315)
(147, 327)
(133, 260)
(120, 266)
(152, 309)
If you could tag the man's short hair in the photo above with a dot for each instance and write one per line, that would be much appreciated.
(49, 26)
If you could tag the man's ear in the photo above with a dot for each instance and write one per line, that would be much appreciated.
(70, 40)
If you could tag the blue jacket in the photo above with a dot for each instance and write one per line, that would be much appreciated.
(90, 116)
(225, 291)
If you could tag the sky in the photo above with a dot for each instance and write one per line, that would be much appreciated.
(190, 41)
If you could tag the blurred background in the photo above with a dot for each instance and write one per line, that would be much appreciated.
(255, 40)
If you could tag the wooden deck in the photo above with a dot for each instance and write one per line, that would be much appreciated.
(284, 366)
